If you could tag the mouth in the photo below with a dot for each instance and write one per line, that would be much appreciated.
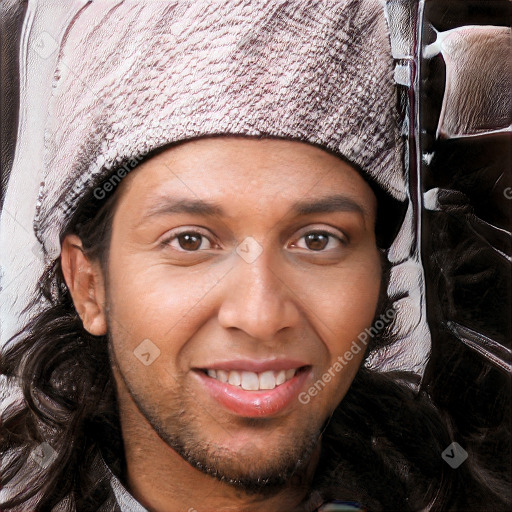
(254, 394)
(252, 381)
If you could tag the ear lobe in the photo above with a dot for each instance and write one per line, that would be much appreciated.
(84, 280)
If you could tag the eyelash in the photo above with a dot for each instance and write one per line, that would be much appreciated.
(174, 236)
(342, 240)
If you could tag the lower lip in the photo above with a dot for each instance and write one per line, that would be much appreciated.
(255, 404)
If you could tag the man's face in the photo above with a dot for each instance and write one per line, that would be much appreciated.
(228, 261)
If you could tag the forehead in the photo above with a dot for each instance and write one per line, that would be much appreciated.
(231, 168)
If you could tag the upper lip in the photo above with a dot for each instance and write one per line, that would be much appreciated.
(254, 365)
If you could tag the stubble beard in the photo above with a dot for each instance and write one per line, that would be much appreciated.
(252, 470)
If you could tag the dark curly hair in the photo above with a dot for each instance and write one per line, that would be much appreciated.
(382, 446)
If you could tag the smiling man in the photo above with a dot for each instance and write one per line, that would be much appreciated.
(232, 338)
(222, 181)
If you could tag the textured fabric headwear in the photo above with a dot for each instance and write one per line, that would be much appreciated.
(133, 77)
(107, 81)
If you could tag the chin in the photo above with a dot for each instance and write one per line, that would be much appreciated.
(260, 468)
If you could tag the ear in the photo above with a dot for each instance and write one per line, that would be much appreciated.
(85, 282)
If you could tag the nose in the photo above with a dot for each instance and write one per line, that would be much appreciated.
(257, 300)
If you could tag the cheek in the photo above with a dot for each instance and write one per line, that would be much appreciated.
(157, 302)
(346, 301)
(344, 307)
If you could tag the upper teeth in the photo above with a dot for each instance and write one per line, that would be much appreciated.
(252, 381)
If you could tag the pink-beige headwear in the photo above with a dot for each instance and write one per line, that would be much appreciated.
(134, 76)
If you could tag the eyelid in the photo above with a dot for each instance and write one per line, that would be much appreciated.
(175, 233)
(204, 232)
(342, 237)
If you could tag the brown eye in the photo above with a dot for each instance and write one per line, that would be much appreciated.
(320, 241)
(188, 241)
(317, 241)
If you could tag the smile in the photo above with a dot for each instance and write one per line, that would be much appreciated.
(256, 392)
(252, 381)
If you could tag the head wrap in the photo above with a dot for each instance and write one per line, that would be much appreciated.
(128, 77)
(319, 72)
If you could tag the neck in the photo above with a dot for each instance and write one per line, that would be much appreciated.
(162, 481)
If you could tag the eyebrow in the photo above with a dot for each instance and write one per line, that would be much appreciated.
(333, 203)
(328, 204)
